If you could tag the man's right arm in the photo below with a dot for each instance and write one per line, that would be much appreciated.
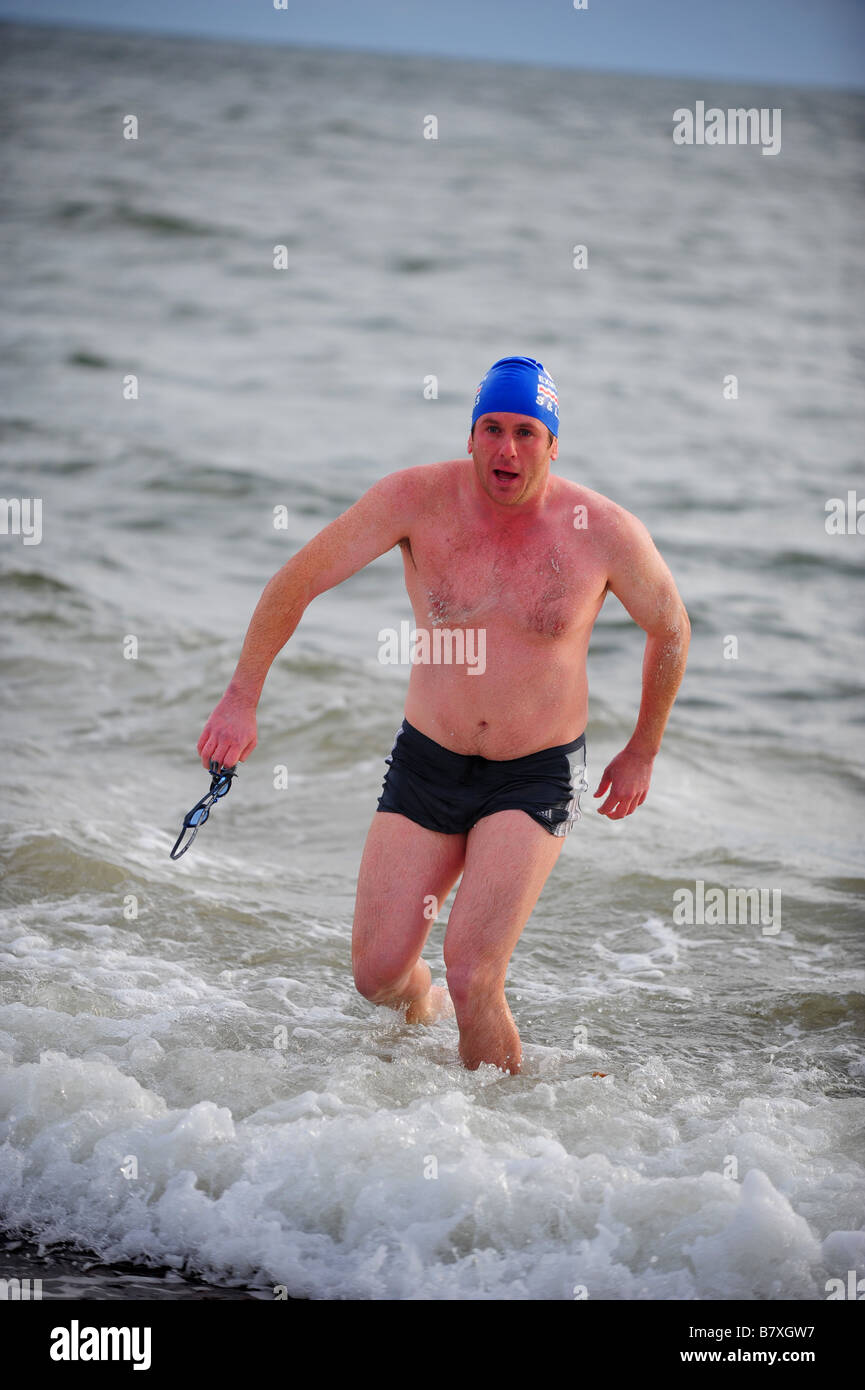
(376, 523)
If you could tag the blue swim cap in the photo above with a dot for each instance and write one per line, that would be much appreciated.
(519, 385)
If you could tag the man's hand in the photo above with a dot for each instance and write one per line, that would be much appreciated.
(627, 779)
(230, 733)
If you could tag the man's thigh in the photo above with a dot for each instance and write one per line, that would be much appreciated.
(405, 875)
(507, 861)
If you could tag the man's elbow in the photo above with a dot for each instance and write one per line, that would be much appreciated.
(682, 637)
(679, 629)
(673, 633)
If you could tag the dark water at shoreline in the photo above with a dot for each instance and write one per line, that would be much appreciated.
(69, 1275)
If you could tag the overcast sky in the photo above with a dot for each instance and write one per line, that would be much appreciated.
(820, 42)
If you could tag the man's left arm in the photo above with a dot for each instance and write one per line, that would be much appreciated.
(642, 582)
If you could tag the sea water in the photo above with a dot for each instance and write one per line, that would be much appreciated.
(190, 1081)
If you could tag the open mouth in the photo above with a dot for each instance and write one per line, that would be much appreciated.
(504, 475)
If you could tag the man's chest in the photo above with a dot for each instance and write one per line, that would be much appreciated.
(546, 584)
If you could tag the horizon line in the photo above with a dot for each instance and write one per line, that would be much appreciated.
(26, 21)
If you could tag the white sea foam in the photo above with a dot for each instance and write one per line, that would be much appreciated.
(614, 1184)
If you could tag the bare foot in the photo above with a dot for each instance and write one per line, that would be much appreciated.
(435, 1004)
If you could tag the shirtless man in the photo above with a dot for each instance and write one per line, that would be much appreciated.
(487, 768)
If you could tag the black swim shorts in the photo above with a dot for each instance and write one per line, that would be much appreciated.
(451, 792)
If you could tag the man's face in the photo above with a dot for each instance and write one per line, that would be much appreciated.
(512, 455)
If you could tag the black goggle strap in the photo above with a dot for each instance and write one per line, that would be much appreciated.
(176, 852)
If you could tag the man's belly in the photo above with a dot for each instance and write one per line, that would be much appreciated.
(526, 698)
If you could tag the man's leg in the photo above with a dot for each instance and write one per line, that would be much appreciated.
(508, 858)
(403, 867)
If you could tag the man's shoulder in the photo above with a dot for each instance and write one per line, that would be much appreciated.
(593, 512)
(424, 483)
(436, 474)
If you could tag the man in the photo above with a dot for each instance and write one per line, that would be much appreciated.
(486, 771)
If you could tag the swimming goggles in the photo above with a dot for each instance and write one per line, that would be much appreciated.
(220, 785)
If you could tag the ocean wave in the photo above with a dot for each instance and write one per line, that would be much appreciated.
(432, 1200)
(103, 216)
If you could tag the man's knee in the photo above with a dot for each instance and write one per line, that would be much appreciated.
(379, 981)
(371, 984)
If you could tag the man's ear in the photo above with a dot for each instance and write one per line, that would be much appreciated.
(471, 441)
(554, 452)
